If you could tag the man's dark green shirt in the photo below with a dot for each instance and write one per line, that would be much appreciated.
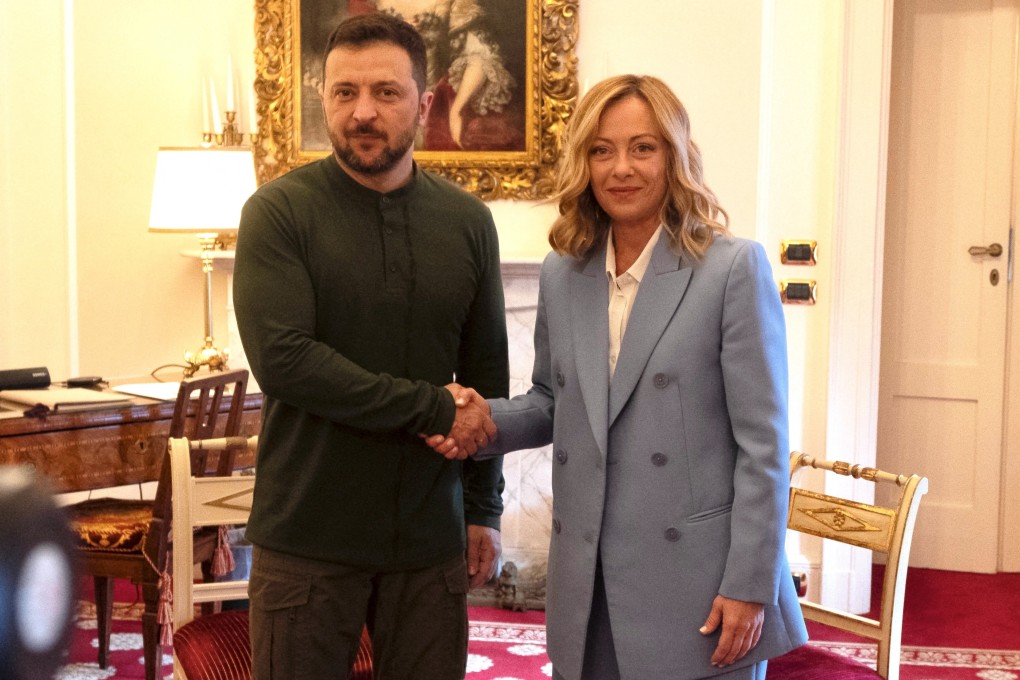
(354, 309)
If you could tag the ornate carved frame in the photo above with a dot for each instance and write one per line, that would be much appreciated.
(552, 90)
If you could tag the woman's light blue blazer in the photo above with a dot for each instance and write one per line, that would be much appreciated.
(676, 470)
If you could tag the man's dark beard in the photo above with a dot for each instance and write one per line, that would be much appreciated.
(389, 157)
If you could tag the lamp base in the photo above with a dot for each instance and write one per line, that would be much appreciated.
(213, 357)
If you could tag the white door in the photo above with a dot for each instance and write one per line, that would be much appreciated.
(950, 174)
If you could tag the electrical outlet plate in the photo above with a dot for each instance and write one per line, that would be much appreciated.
(798, 252)
(798, 291)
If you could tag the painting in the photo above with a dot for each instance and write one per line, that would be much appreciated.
(503, 74)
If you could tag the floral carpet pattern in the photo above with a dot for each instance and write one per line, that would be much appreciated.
(497, 649)
(511, 646)
(938, 663)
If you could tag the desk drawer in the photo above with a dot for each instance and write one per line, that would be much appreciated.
(100, 456)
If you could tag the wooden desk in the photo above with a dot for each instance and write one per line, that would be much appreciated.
(101, 448)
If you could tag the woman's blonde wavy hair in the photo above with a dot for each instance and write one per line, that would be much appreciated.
(691, 213)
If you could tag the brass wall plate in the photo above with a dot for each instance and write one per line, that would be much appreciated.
(797, 291)
(798, 252)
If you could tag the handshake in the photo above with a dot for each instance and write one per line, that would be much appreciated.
(472, 429)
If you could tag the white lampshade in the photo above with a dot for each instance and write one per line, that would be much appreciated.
(201, 190)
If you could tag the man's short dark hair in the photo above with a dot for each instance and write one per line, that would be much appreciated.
(378, 27)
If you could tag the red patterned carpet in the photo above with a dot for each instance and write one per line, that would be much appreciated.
(957, 626)
(502, 646)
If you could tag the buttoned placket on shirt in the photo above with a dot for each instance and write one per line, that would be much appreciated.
(623, 290)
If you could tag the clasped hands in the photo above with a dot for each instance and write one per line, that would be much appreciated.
(472, 429)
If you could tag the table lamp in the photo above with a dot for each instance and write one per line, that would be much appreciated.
(201, 191)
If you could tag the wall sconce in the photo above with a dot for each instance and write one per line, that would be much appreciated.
(201, 191)
(226, 131)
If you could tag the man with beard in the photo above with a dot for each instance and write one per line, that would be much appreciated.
(362, 286)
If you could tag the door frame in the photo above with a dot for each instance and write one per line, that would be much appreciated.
(858, 237)
(1009, 492)
(858, 253)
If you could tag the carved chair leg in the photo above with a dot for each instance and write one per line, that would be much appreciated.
(150, 642)
(103, 586)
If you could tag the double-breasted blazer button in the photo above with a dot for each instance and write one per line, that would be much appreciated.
(661, 380)
(556, 526)
(560, 380)
(672, 535)
(659, 459)
(561, 456)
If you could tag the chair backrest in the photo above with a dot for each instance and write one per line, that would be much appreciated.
(203, 501)
(196, 416)
(883, 529)
(207, 396)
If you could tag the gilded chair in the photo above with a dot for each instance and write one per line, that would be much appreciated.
(130, 539)
(886, 530)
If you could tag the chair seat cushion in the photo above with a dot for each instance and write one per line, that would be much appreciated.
(111, 524)
(217, 647)
(810, 662)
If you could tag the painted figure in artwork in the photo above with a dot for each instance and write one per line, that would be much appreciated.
(476, 69)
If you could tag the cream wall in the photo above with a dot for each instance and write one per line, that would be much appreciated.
(35, 323)
(92, 89)
(138, 73)
(756, 76)
(84, 289)
(796, 189)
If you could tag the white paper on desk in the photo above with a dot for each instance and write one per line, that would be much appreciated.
(64, 399)
(162, 391)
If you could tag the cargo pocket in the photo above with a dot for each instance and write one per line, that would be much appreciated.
(273, 591)
(455, 618)
(456, 577)
(279, 623)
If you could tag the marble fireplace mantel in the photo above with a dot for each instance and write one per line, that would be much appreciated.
(527, 497)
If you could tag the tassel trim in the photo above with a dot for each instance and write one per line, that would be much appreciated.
(223, 558)
(165, 610)
(165, 615)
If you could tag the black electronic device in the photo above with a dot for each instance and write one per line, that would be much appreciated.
(90, 381)
(24, 378)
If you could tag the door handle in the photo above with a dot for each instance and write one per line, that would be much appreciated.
(993, 250)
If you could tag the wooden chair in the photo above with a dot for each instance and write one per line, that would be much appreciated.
(130, 539)
(883, 529)
(216, 647)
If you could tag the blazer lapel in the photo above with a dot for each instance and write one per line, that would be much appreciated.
(661, 290)
(590, 326)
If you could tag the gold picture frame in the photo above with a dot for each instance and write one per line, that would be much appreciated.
(526, 173)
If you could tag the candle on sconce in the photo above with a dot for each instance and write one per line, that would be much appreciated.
(253, 121)
(230, 84)
(215, 109)
(207, 125)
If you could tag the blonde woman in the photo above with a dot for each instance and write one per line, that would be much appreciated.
(660, 378)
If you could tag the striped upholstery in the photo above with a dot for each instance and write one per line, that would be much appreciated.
(216, 648)
(363, 663)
